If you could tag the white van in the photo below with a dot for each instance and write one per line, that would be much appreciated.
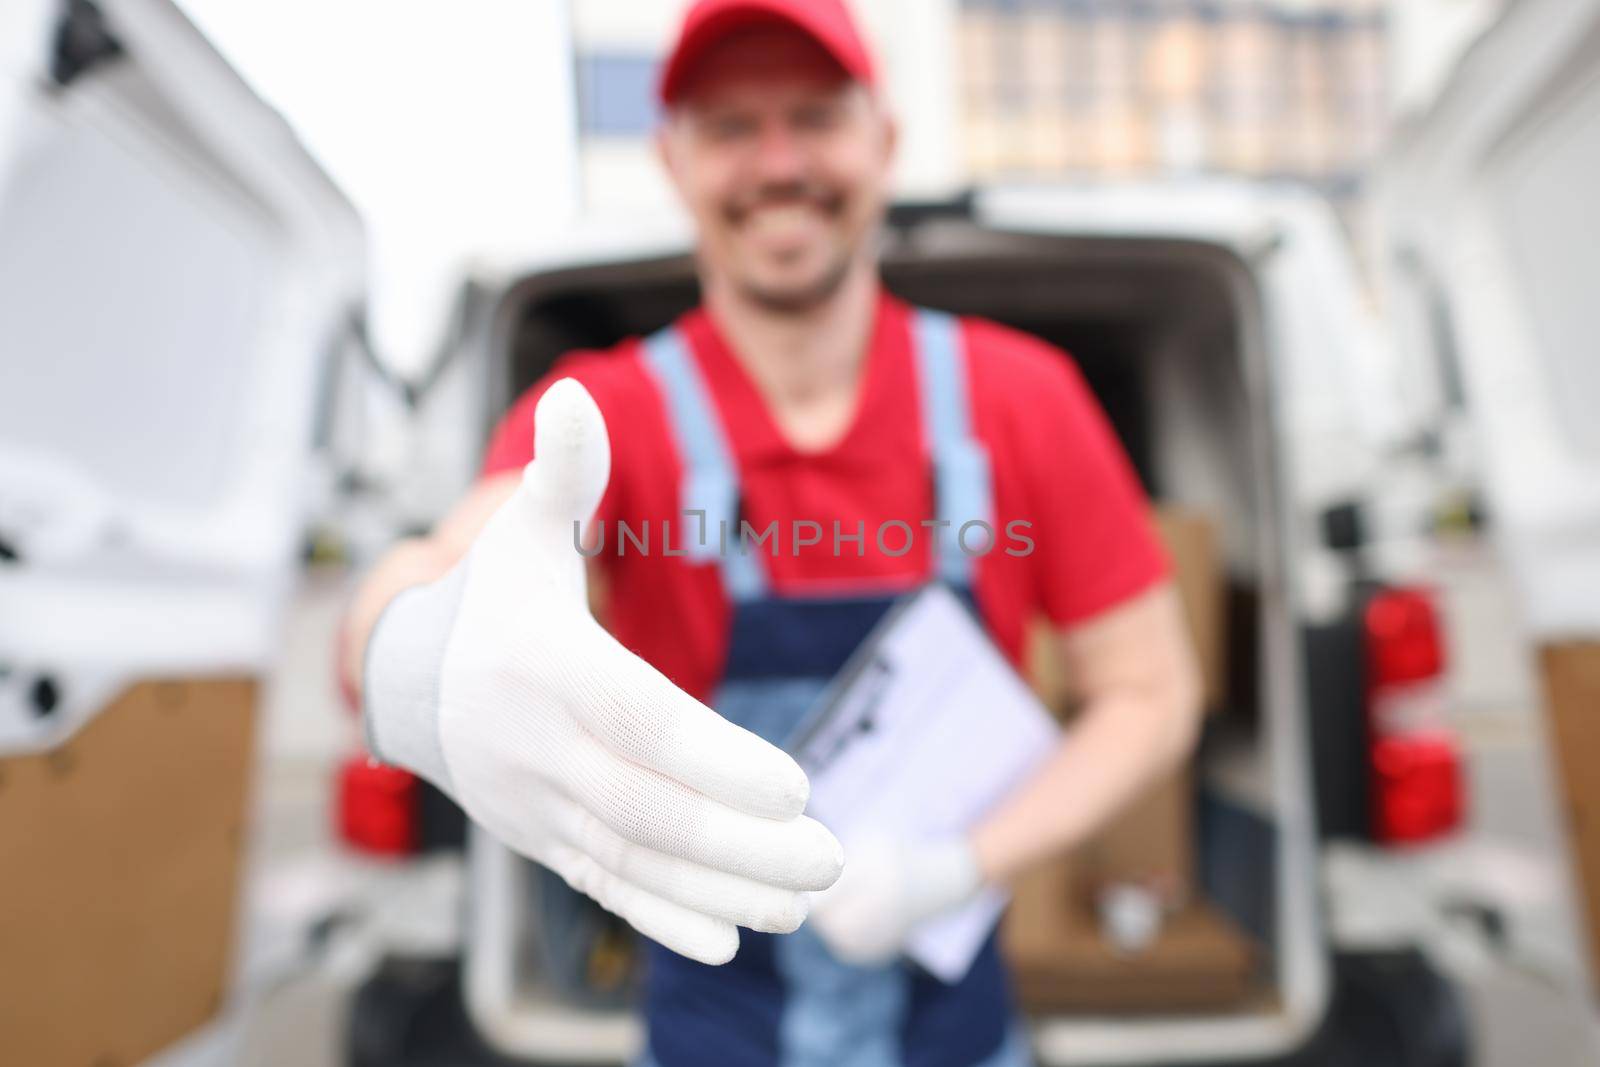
(1222, 327)
(160, 452)
(1492, 254)
(176, 278)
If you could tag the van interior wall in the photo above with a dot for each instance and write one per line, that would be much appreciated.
(109, 168)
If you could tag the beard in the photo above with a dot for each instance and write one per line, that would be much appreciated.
(798, 298)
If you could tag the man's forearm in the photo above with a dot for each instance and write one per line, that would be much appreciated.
(1120, 744)
(1136, 669)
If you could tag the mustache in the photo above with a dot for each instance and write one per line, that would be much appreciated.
(778, 194)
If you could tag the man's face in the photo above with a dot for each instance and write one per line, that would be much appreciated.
(784, 163)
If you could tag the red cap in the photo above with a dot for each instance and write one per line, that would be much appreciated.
(706, 22)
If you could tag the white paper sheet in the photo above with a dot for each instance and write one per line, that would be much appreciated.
(924, 731)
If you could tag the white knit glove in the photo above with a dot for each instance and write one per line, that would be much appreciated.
(889, 888)
(497, 685)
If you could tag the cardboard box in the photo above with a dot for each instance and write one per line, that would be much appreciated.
(1061, 962)
(122, 852)
(1199, 961)
(1571, 676)
(1051, 934)
(1190, 539)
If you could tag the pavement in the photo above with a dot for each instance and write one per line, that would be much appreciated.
(1493, 906)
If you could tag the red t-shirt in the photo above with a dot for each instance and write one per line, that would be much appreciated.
(1055, 464)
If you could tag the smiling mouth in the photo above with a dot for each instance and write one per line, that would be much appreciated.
(777, 223)
(776, 214)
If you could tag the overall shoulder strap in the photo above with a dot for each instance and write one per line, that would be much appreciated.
(710, 478)
(962, 480)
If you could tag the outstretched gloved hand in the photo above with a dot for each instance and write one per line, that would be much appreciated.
(889, 889)
(497, 684)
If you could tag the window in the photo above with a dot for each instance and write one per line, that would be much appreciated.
(616, 94)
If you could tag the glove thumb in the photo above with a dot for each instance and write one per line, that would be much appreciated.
(571, 462)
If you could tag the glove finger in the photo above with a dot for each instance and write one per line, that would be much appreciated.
(650, 809)
(688, 933)
(643, 716)
(571, 464)
(719, 894)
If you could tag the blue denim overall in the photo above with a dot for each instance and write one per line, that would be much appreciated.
(784, 1001)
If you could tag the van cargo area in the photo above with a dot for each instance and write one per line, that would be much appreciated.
(1169, 335)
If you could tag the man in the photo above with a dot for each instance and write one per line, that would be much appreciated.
(804, 406)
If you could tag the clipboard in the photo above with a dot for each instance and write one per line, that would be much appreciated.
(923, 732)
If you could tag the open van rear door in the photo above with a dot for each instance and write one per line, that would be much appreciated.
(176, 273)
(1492, 249)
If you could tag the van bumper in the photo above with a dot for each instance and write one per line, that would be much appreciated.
(1390, 1008)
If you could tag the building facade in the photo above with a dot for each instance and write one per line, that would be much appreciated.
(1049, 89)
